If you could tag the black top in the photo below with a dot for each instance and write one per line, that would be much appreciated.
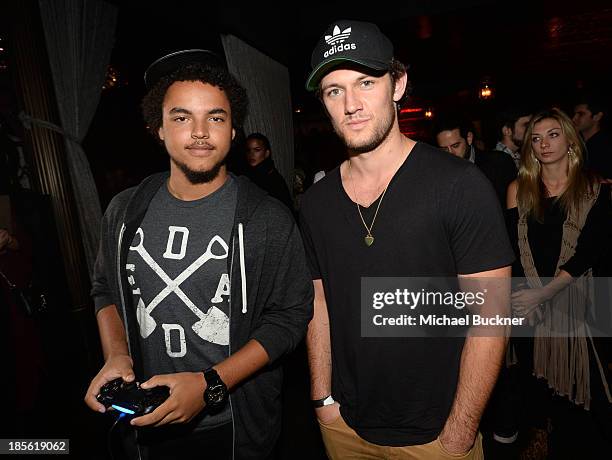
(439, 217)
(545, 238)
(599, 154)
(499, 168)
(267, 177)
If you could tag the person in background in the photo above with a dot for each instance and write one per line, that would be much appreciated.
(456, 136)
(560, 223)
(589, 115)
(262, 170)
(511, 129)
(23, 354)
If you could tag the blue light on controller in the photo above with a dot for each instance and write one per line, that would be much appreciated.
(123, 409)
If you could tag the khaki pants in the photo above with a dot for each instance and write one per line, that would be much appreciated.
(342, 443)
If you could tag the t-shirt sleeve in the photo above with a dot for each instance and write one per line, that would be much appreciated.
(476, 226)
(594, 239)
(103, 283)
(309, 248)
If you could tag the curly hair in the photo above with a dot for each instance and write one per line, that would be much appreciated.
(211, 74)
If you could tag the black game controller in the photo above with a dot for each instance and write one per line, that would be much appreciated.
(130, 399)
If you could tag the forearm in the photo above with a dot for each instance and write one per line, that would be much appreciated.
(117, 361)
(557, 284)
(318, 344)
(112, 332)
(480, 364)
(481, 358)
(242, 364)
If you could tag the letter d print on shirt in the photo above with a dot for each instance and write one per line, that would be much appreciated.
(212, 325)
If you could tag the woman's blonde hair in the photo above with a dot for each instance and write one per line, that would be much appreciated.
(531, 190)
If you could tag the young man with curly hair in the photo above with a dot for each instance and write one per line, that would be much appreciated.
(200, 283)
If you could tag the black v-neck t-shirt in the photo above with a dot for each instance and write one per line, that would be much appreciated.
(439, 217)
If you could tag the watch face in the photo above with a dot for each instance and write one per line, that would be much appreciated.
(216, 394)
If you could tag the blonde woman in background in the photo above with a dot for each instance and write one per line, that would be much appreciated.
(560, 222)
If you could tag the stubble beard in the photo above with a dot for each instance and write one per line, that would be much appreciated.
(381, 132)
(200, 177)
(518, 142)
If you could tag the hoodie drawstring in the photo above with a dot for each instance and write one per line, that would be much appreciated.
(242, 268)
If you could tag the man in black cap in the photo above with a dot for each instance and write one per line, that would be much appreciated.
(394, 208)
(201, 282)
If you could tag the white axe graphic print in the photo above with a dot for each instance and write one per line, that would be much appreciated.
(213, 326)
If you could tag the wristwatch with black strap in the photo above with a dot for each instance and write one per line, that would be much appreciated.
(216, 393)
(327, 401)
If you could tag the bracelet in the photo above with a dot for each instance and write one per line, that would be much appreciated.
(327, 401)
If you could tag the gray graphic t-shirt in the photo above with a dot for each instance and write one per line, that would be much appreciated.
(178, 272)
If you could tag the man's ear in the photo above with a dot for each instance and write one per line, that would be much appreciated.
(233, 133)
(469, 138)
(160, 133)
(598, 116)
(400, 87)
(506, 131)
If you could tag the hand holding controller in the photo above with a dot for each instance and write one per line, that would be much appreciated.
(129, 398)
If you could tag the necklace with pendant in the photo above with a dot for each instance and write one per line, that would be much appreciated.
(369, 238)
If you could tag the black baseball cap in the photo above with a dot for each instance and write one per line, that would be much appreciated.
(167, 64)
(347, 41)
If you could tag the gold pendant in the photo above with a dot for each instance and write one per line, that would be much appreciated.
(369, 239)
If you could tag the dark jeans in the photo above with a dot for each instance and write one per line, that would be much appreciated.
(523, 401)
(209, 444)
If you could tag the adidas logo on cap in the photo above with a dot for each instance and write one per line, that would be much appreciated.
(337, 39)
(338, 36)
(349, 41)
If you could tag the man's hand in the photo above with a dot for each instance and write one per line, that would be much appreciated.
(458, 442)
(481, 359)
(115, 367)
(185, 402)
(327, 414)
